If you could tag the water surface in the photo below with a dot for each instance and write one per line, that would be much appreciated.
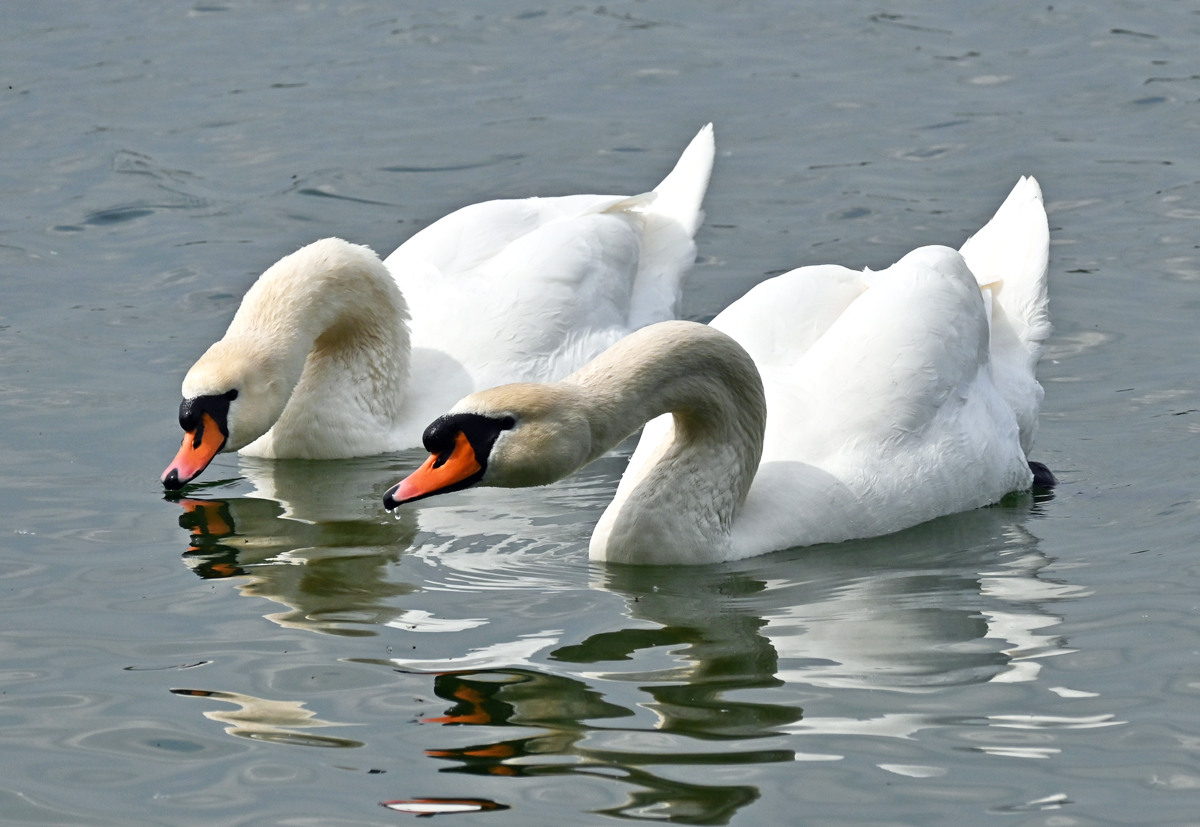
(272, 648)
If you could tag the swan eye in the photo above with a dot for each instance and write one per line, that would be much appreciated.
(205, 422)
(460, 445)
(441, 437)
(192, 410)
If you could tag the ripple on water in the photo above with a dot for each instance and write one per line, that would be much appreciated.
(155, 743)
(497, 539)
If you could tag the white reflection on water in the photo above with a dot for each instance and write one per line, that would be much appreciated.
(703, 665)
(310, 536)
(261, 719)
(911, 612)
(508, 654)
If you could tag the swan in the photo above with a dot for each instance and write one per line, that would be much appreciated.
(334, 353)
(824, 405)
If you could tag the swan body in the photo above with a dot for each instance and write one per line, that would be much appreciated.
(334, 353)
(825, 405)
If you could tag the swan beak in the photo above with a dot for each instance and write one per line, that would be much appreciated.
(198, 449)
(441, 472)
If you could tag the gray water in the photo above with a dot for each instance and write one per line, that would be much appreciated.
(274, 649)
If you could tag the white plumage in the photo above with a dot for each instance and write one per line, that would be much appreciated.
(893, 397)
(336, 354)
(889, 398)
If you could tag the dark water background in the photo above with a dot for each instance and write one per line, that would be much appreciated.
(275, 650)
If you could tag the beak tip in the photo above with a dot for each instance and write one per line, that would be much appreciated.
(171, 481)
(389, 502)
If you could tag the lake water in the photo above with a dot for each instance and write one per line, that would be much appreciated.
(274, 649)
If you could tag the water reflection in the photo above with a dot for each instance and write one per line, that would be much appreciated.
(958, 600)
(422, 807)
(313, 537)
(707, 666)
(261, 719)
(569, 746)
(759, 662)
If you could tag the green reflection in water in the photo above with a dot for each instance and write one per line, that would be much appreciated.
(957, 601)
(561, 705)
(315, 538)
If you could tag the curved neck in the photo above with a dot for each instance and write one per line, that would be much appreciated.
(679, 504)
(330, 323)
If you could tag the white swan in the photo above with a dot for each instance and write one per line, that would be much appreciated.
(885, 399)
(321, 360)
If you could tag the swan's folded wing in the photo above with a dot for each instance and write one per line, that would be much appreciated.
(532, 292)
(781, 318)
(911, 343)
(895, 401)
(465, 239)
(896, 390)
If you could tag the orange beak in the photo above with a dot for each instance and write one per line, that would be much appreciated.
(198, 449)
(438, 474)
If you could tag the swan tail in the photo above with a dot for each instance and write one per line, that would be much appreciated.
(671, 216)
(682, 192)
(1010, 255)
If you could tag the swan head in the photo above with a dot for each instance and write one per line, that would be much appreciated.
(514, 436)
(231, 397)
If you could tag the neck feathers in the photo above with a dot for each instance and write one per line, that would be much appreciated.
(337, 323)
(680, 504)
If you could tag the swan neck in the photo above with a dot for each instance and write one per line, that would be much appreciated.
(680, 505)
(327, 327)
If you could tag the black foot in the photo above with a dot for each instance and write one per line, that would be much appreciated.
(1042, 476)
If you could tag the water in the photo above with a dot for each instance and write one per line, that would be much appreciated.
(273, 649)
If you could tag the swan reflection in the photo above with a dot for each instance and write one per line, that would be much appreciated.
(312, 536)
(261, 719)
(959, 600)
(660, 681)
(560, 705)
(765, 661)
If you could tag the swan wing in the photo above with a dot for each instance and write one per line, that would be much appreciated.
(534, 307)
(881, 412)
(781, 318)
(530, 290)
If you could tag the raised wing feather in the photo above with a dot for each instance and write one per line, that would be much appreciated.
(1009, 257)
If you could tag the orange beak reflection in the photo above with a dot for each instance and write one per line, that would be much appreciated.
(198, 449)
(439, 473)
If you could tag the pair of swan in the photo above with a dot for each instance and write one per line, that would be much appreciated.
(824, 405)
(334, 353)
